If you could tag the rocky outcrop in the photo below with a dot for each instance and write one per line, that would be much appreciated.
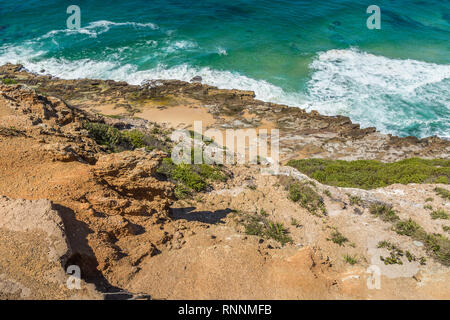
(52, 122)
(34, 253)
(132, 175)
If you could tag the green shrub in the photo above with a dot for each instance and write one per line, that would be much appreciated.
(135, 137)
(107, 136)
(444, 194)
(436, 244)
(338, 238)
(392, 259)
(116, 140)
(211, 172)
(350, 259)
(370, 174)
(182, 192)
(407, 228)
(191, 177)
(258, 225)
(306, 196)
(383, 211)
(395, 253)
(410, 256)
(439, 214)
(8, 81)
(355, 200)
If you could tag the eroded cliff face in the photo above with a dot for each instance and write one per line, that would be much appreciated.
(113, 215)
(102, 197)
(34, 252)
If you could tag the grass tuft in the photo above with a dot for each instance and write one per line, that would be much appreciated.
(444, 194)
(355, 200)
(407, 228)
(338, 238)
(9, 81)
(352, 260)
(439, 214)
(258, 225)
(190, 178)
(305, 195)
(383, 211)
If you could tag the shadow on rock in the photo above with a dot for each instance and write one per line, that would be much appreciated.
(83, 256)
(189, 214)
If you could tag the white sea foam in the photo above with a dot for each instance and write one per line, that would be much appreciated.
(93, 29)
(377, 91)
(114, 70)
(179, 45)
(372, 90)
(221, 51)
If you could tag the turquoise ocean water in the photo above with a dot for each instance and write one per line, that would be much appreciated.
(317, 55)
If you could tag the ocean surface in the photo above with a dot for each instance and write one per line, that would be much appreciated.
(317, 55)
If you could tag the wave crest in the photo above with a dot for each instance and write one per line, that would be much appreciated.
(93, 29)
(403, 97)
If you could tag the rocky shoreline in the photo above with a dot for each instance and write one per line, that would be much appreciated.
(302, 134)
(67, 199)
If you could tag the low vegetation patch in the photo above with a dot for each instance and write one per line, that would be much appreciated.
(304, 194)
(439, 214)
(355, 200)
(436, 244)
(411, 257)
(444, 194)
(407, 228)
(258, 225)
(338, 238)
(384, 212)
(190, 178)
(9, 81)
(116, 140)
(395, 253)
(350, 259)
(370, 174)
